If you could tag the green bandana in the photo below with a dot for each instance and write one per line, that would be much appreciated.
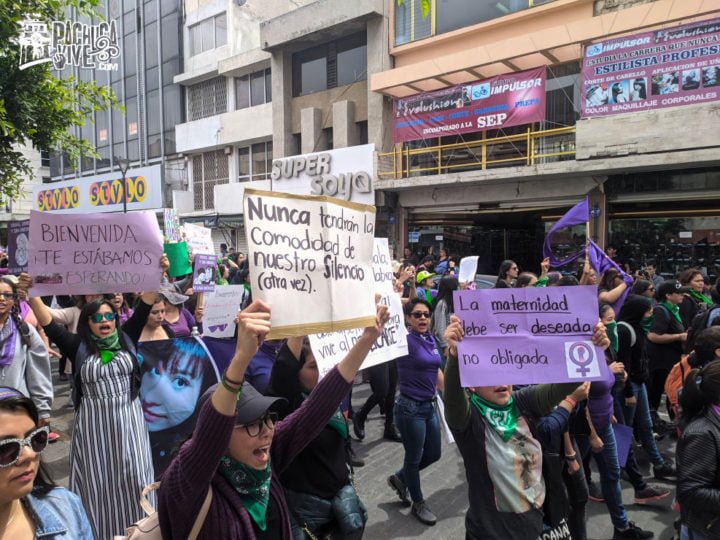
(339, 424)
(252, 485)
(501, 419)
(107, 346)
(542, 282)
(701, 298)
(646, 323)
(673, 309)
(612, 334)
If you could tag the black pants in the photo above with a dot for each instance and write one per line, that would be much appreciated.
(383, 383)
(577, 491)
(656, 387)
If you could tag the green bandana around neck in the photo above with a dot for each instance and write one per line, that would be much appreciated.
(107, 346)
(701, 298)
(673, 309)
(646, 323)
(337, 421)
(502, 419)
(252, 485)
(612, 334)
(542, 282)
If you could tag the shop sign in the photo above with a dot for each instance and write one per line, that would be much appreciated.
(506, 100)
(413, 237)
(653, 70)
(102, 193)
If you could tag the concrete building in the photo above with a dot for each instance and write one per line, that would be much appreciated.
(653, 175)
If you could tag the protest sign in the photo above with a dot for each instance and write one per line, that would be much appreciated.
(18, 232)
(94, 253)
(529, 336)
(468, 269)
(221, 306)
(179, 259)
(171, 225)
(204, 273)
(198, 238)
(310, 259)
(170, 409)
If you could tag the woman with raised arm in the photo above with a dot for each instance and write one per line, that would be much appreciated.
(110, 460)
(238, 451)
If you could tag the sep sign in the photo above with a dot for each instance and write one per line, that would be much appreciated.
(529, 336)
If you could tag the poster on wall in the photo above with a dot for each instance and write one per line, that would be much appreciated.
(653, 70)
(511, 99)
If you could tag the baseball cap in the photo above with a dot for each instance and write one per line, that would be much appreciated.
(250, 405)
(422, 276)
(668, 287)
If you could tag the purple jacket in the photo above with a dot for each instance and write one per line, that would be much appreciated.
(185, 482)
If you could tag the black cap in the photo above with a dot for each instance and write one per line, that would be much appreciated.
(251, 405)
(668, 287)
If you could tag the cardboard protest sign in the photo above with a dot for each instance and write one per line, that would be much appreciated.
(198, 238)
(179, 259)
(18, 239)
(175, 373)
(171, 225)
(204, 273)
(221, 306)
(310, 259)
(468, 269)
(529, 336)
(94, 253)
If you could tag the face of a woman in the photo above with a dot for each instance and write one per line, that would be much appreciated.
(592, 277)
(608, 316)
(17, 480)
(649, 292)
(697, 283)
(7, 299)
(171, 312)
(103, 328)
(117, 300)
(157, 315)
(308, 374)
(251, 451)
(443, 254)
(169, 396)
(419, 318)
(512, 273)
(499, 395)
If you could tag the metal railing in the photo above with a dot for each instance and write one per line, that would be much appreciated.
(523, 149)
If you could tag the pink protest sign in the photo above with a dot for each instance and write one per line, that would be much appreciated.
(529, 336)
(94, 253)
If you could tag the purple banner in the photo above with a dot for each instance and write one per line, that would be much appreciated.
(94, 253)
(204, 273)
(511, 99)
(654, 70)
(577, 215)
(18, 240)
(529, 336)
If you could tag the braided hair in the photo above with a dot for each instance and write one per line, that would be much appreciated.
(21, 325)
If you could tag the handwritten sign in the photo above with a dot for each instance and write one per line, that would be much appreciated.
(171, 225)
(221, 306)
(204, 273)
(94, 253)
(310, 259)
(529, 336)
(331, 348)
(198, 238)
(468, 269)
(18, 239)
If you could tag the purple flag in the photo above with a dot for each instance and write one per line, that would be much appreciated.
(577, 215)
(601, 262)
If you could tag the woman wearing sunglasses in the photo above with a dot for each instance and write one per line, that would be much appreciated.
(239, 450)
(110, 460)
(31, 506)
(419, 378)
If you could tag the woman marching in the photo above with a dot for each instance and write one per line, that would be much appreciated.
(110, 459)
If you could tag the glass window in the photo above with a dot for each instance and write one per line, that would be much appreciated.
(244, 164)
(150, 12)
(131, 117)
(170, 37)
(170, 142)
(130, 86)
(242, 92)
(118, 126)
(152, 79)
(153, 112)
(172, 105)
(102, 132)
(220, 30)
(129, 55)
(257, 88)
(168, 6)
(268, 86)
(195, 40)
(259, 163)
(352, 63)
(169, 70)
(337, 63)
(151, 52)
(310, 71)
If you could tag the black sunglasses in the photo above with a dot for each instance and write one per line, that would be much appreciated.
(420, 314)
(10, 449)
(254, 429)
(98, 317)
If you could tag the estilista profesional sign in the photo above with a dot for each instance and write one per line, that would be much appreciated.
(654, 70)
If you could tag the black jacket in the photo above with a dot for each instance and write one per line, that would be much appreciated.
(698, 488)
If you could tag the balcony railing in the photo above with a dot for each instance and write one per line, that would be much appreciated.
(524, 149)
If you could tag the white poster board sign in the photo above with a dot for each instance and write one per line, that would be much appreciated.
(468, 269)
(221, 306)
(198, 238)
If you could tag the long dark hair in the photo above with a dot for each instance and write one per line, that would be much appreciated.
(16, 401)
(21, 325)
(701, 389)
(505, 267)
(448, 284)
(608, 277)
(83, 327)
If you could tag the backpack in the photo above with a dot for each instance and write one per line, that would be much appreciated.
(148, 528)
(675, 380)
(700, 322)
(633, 337)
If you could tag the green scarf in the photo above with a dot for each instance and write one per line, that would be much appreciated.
(107, 346)
(646, 323)
(673, 309)
(612, 334)
(542, 282)
(337, 421)
(501, 419)
(252, 485)
(701, 298)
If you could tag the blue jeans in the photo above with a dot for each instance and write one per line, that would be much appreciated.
(640, 413)
(420, 429)
(686, 533)
(609, 468)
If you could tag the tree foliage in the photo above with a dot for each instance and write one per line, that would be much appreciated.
(36, 107)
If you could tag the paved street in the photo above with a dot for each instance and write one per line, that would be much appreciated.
(443, 485)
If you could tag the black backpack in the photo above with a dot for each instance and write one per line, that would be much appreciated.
(700, 322)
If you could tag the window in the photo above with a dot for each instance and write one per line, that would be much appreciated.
(252, 89)
(44, 158)
(208, 34)
(207, 98)
(209, 170)
(333, 64)
(255, 162)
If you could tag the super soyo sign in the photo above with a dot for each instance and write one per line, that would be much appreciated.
(529, 336)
